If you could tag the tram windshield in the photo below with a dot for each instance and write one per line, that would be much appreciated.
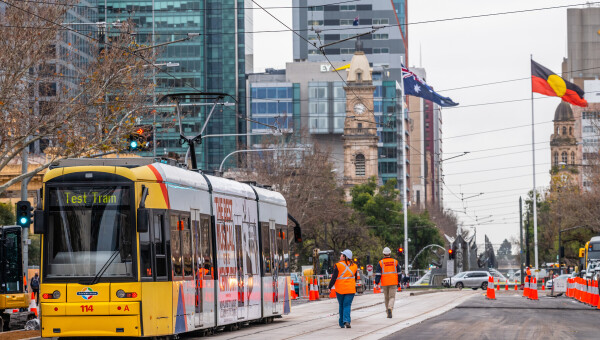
(89, 228)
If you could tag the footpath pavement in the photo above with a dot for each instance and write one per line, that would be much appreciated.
(510, 316)
(319, 320)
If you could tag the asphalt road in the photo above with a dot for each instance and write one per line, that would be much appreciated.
(510, 316)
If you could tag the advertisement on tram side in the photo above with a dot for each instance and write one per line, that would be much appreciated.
(237, 259)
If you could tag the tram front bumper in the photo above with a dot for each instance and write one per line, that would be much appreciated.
(98, 319)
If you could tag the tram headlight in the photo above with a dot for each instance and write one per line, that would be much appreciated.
(56, 295)
(121, 294)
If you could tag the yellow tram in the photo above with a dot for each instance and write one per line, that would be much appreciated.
(133, 247)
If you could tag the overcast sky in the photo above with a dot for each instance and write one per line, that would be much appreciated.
(466, 53)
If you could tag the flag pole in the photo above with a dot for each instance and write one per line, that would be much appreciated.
(404, 184)
(535, 237)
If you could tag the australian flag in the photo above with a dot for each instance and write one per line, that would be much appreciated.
(414, 86)
(355, 22)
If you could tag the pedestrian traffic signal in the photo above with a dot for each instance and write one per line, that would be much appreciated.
(141, 139)
(24, 216)
(450, 254)
(400, 251)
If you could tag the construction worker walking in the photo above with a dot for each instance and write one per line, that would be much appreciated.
(386, 275)
(344, 278)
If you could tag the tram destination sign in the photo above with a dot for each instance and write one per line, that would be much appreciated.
(90, 196)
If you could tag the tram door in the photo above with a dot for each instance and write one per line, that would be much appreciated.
(198, 270)
(275, 257)
(242, 273)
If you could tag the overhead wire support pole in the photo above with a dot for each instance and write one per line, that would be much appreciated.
(404, 184)
(535, 236)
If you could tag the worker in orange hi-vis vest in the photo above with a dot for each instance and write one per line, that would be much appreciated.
(344, 278)
(386, 275)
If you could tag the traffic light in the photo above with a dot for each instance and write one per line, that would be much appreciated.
(141, 139)
(24, 216)
(450, 254)
(401, 251)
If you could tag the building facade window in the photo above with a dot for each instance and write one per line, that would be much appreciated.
(570, 131)
(572, 158)
(555, 160)
(344, 8)
(382, 21)
(564, 130)
(359, 163)
(383, 36)
(563, 157)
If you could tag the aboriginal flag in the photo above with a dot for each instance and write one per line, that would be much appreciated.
(548, 83)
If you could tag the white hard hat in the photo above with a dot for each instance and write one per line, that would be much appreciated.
(386, 251)
(348, 254)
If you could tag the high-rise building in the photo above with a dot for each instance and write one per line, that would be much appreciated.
(582, 67)
(308, 100)
(214, 61)
(322, 23)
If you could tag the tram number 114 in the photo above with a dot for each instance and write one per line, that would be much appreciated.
(86, 308)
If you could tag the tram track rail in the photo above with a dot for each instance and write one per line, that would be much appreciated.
(310, 330)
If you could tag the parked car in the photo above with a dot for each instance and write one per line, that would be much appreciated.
(470, 279)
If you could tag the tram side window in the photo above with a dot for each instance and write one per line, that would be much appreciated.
(286, 249)
(207, 256)
(186, 238)
(145, 254)
(266, 248)
(159, 247)
(176, 262)
(280, 241)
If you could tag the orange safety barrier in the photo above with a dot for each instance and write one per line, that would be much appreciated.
(526, 289)
(533, 293)
(593, 293)
(491, 294)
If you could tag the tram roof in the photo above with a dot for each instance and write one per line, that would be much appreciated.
(269, 196)
(181, 176)
(231, 187)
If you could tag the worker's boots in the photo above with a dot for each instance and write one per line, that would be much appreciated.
(389, 313)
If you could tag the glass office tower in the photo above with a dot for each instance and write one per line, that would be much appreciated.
(214, 61)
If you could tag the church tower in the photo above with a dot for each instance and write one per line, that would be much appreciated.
(360, 131)
(563, 144)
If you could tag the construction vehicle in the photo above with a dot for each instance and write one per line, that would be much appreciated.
(322, 267)
(14, 300)
(590, 253)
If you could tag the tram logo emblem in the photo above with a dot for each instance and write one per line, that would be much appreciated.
(87, 293)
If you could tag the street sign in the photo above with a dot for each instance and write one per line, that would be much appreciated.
(370, 269)
(450, 268)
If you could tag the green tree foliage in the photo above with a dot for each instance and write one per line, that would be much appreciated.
(7, 214)
(382, 213)
(34, 250)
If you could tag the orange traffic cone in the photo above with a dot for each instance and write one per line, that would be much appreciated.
(399, 287)
(526, 287)
(543, 284)
(376, 290)
(33, 307)
(506, 285)
(332, 293)
(313, 295)
(533, 293)
(491, 294)
(516, 285)
(498, 285)
(568, 292)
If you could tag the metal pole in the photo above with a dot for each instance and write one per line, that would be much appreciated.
(558, 255)
(521, 235)
(535, 238)
(154, 88)
(527, 262)
(25, 231)
(404, 184)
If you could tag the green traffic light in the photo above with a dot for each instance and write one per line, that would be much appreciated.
(133, 144)
(23, 220)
